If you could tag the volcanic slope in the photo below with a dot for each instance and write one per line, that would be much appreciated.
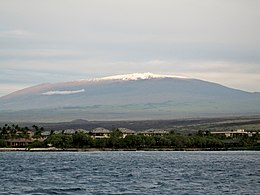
(127, 97)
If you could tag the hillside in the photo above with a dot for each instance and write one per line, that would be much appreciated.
(127, 97)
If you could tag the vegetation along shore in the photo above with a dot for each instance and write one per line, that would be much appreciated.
(34, 138)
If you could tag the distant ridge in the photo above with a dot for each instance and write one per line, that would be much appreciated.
(79, 121)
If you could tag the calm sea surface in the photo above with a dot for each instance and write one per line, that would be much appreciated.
(130, 172)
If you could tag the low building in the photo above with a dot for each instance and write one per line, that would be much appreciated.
(69, 131)
(154, 132)
(100, 132)
(20, 142)
(234, 133)
(45, 133)
(125, 132)
(57, 132)
(44, 136)
(30, 133)
(82, 131)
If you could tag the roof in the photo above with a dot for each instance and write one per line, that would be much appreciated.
(155, 131)
(69, 131)
(100, 130)
(82, 131)
(238, 131)
(57, 132)
(46, 133)
(125, 130)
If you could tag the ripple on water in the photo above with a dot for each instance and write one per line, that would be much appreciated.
(129, 173)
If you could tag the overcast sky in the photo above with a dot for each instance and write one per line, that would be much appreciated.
(62, 40)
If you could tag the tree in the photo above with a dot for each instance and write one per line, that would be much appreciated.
(60, 140)
(38, 131)
(37, 144)
(115, 138)
(162, 141)
(101, 143)
(149, 141)
(135, 141)
(3, 143)
(81, 140)
(116, 133)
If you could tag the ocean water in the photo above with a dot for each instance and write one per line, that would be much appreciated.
(130, 172)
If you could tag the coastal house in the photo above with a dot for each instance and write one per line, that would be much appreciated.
(100, 132)
(57, 132)
(44, 136)
(154, 132)
(234, 133)
(69, 131)
(20, 142)
(45, 133)
(82, 131)
(125, 132)
(30, 133)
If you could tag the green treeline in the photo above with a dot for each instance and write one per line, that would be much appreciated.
(138, 141)
(172, 140)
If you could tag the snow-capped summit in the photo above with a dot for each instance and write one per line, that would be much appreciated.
(132, 77)
(139, 76)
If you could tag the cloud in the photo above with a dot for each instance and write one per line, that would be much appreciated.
(69, 41)
(32, 53)
(63, 92)
(17, 33)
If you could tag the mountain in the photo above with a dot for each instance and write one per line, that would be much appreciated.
(127, 97)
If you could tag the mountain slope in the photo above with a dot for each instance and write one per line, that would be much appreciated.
(133, 96)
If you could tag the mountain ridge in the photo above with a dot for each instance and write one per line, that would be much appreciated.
(128, 96)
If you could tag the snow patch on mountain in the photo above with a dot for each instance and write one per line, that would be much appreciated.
(139, 76)
(63, 92)
(132, 77)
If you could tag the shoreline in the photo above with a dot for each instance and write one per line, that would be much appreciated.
(53, 149)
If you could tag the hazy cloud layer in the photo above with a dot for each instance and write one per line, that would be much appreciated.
(50, 41)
